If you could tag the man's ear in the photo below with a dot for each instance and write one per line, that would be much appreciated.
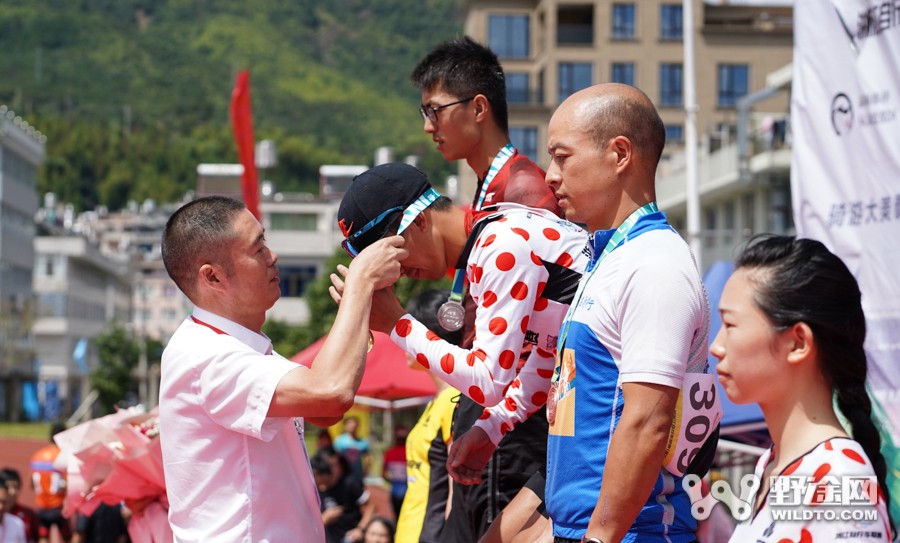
(482, 108)
(624, 150)
(421, 221)
(210, 276)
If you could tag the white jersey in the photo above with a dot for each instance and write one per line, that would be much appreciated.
(829, 486)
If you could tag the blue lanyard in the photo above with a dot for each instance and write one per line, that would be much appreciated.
(499, 161)
(459, 280)
(621, 233)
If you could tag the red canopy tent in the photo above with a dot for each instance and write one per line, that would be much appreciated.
(388, 382)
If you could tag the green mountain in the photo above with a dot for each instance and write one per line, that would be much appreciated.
(132, 94)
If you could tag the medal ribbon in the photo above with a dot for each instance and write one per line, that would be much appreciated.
(459, 279)
(499, 161)
(621, 233)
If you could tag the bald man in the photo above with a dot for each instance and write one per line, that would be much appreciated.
(638, 324)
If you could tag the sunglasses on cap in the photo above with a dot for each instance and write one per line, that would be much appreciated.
(409, 215)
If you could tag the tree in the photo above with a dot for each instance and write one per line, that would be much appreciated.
(119, 355)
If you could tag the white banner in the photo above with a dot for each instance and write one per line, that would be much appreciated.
(845, 173)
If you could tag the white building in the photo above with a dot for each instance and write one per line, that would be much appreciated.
(21, 153)
(79, 291)
(304, 234)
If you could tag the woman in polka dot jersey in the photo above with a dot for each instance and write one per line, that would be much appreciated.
(792, 341)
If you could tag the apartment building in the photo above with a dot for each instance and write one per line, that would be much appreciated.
(21, 154)
(552, 48)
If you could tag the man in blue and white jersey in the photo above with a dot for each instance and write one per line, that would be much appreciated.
(638, 324)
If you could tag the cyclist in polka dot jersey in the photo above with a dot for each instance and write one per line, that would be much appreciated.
(522, 265)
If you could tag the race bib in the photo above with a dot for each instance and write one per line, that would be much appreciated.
(697, 414)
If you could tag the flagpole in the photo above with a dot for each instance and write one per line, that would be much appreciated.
(690, 133)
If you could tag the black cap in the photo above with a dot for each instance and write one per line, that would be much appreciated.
(375, 191)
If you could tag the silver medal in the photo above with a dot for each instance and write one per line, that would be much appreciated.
(451, 316)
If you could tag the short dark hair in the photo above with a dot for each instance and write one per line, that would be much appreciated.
(320, 465)
(10, 474)
(424, 308)
(637, 120)
(465, 68)
(57, 428)
(195, 235)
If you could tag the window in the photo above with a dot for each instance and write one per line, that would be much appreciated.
(711, 231)
(573, 77)
(307, 222)
(623, 21)
(575, 24)
(670, 20)
(670, 85)
(524, 139)
(508, 35)
(517, 88)
(170, 291)
(16, 167)
(295, 280)
(732, 83)
(623, 73)
(674, 132)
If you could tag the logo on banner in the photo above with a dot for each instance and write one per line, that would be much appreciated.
(841, 114)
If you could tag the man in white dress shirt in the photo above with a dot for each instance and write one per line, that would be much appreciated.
(232, 410)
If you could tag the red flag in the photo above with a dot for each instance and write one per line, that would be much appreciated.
(242, 123)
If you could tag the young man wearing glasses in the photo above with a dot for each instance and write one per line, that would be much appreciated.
(522, 265)
(464, 109)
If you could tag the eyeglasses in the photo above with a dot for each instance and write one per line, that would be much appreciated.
(430, 113)
(409, 215)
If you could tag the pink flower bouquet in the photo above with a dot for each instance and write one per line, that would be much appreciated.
(115, 459)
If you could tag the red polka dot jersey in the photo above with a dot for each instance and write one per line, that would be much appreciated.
(507, 276)
(835, 478)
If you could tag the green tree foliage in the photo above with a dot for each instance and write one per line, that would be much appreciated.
(119, 355)
(290, 340)
(132, 94)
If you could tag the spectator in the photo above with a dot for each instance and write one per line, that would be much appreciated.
(12, 529)
(49, 490)
(346, 507)
(105, 525)
(394, 469)
(355, 449)
(379, 530)
(29, 517)
(324, 440)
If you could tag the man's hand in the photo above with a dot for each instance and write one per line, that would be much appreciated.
(468, 456)
(379, 263)
(356, 534)
(330, 515)
(386, 310)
